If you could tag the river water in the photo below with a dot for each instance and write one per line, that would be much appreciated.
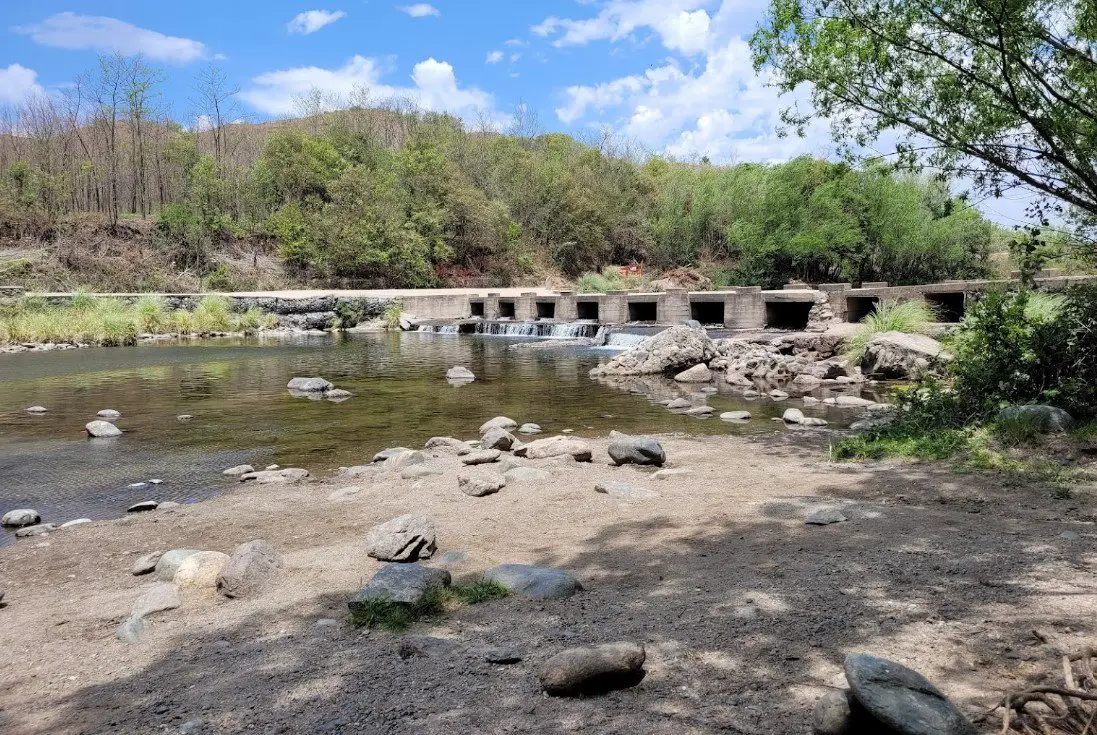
(236, 392)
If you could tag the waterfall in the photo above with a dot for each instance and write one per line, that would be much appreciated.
(543, 330)
(625, 340)
(440, 328)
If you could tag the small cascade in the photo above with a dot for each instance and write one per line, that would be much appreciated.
(625, 340)
(440, 328)
(545, 330)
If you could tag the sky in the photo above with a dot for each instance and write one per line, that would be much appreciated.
(672, 76)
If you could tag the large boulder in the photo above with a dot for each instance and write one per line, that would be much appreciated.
(902, 699)
(252, 566)
(21, 517)
(404, 539)
(593, 670)
(309, 385)
(540, 583)
(642, 450)
(901, 356)
(406, 584)
(669, 351)
(1046, 419)
(497, 438)
(557, 446)
(102, 430)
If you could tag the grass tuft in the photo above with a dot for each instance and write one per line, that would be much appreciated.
(397, 617)
(911, 317)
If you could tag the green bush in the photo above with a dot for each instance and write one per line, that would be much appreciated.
(911, 317)
(213, 314)
(220, 279)
(152, 314)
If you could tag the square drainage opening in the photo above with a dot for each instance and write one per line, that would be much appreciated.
(546, 309)
(949, 307)
(506, 310)
(477, 308)
(707, 312)
(587, 310)
(788, 314)
(643, 311)
(858, 307)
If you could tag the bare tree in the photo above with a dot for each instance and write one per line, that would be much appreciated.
(216, 104)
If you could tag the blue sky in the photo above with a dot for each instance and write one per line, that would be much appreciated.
(671, 76)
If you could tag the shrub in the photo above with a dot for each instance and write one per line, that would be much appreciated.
(152, 314)
(213, 314)
(220, 279)
(392, 314)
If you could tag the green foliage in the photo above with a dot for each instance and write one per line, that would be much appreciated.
(392, 314)
(610, 279)
(1017, 430)
(152, 314)
(911, 317)
(482, 590)
(396, 617)
(213, 314)
(220, 279)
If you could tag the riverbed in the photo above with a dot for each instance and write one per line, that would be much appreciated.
(235, 392)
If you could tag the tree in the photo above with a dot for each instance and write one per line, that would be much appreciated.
(216, 103)
(1003, 92)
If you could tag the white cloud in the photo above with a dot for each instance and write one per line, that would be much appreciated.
(311, 21)
(420, 10)
(495, 57)
(99, 33)
(434, 87)
(17, 83)
(682, 25)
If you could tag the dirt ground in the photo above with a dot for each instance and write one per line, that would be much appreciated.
(746, 612)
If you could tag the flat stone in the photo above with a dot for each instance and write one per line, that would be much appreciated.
(555, 447)
(640, 450)
(825, 517)
(419, 471)
(158, 598)
(287, 476)
(499, 422)
(404, 459)
(903, 699)
(200, 571)
(404, 539)
(168, 563)
(425, 646)
(20, 517)
(242, 469)
(700, 411)
(593, 670)
(147, 563)
(75, 522)
(777, 395)
(678, 403)
(848, 402)
(488, 456)
(109, 413)
(502, 655)
(251, 568)
(309, 385)
(529, 429)
(102, 430)
(672, 473)
(401, 583)
(36, 409)
(625, 490)
(39, 530)
(479, 486)
(736, 416)
(527, 474)
(540, 583)
(143, 507)
(338, 394)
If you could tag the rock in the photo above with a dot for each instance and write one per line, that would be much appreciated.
(902, 699)
(200, 570)
(36, 409)
(109, 413)
(733, 378)
(813, 421)
(130, 631)
(102, 430)
(556, 446)
(424, 646)
(271, 468)
(529, 429)
(403, 459)
(499, 422)
(385, 454)
(777, 395)
(1045, 419)
(540, 583)
(338, 394)
(419, 471)
(793, 416)
(184, 417)
(19, 518)
(487, 456)
(503, 655)
(401, 583)
(736, 416)
(838, 713)
(624, 490)
(807, 382)
(460, 373)
(593, 670)
(39, 530)
(900, 356)
(671, 350)
(147, 563)
(848, 402)
(158, 598)
(641, 450)
(811, 401)
(75, 522)
(700, 411)
(527, 474)
(250, 569)
(497, 438)
(480, 485)
(442, 442)
(137, 485)
(238, 470)
(309, 385)
(287, 476)
(143, 507)
(668, 474)
(696, 374)
(678, 403)
(167, 505)
(825, 517)
(403, 539)
(168, 563)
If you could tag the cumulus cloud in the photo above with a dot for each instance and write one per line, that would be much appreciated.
(99, 33)
(420, 10)
(17, 83)
(495, 57)
(434, 87)
(311, 21)
(682, 25)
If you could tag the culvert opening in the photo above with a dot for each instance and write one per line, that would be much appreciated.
(643, 311)
(709, 313)
(546, 309)
(787, 314)
(949, 307)
(587, 310)
(477, 308)
(858, 307)
(506, 310)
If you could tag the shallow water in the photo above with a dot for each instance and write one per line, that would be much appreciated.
(236, 391)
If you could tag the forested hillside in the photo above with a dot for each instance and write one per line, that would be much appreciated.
(385, 195)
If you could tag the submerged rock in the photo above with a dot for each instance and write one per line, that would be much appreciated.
(593, 670)
(460, 374)
(36, 409)
(736, 416)
(309, 385)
